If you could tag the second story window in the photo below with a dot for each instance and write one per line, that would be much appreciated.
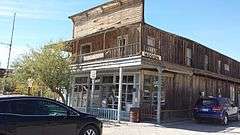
(189, 57)
(206, 62)
(226, 67)
(219, 66)
(86, 48)
(151, 45)
(151, 41)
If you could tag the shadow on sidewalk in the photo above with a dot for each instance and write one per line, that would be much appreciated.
(203, 127)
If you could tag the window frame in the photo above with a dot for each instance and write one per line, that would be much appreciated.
(206, 62)
(153, 41)
(227, 67)
(189, 56)
(83, 45)
(219, 66)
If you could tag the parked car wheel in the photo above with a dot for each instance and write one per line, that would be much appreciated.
(225, 120)
(90, 130)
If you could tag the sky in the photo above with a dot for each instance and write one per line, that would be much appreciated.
(213, 23)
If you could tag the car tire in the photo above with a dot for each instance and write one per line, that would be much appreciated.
(225, 120)
(89, 130)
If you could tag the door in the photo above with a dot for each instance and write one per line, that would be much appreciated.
(122, 42)
(58, 119)
(21, 119)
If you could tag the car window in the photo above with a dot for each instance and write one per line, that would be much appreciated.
(4, 107)
(23, 107)
(51, 109)
(207, 102)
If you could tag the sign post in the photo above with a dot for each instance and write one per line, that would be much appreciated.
(93, 75)
(159, 85)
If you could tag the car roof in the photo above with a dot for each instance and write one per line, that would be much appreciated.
(4, 97)
(217, 98)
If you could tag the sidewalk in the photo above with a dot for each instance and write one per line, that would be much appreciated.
(177, 128)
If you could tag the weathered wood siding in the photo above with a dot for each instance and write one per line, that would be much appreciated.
(173, 50)
(113, 14)
(182, 91)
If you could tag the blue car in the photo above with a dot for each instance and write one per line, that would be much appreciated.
(215, 108)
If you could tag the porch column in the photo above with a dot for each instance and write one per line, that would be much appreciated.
(72, 82)
(120, 94)
(159, 95)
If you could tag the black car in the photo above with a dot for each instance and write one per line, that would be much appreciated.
(24, 115)
(215, 108)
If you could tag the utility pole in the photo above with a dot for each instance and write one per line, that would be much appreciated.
(11, 42)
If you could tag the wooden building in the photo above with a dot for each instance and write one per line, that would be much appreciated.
(114, 40)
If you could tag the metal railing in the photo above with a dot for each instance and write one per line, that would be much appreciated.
(105, 113)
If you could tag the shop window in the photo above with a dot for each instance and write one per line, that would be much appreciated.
(80, 80)
(126, 79)
(108, 79)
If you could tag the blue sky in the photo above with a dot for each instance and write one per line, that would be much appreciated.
(214, 23)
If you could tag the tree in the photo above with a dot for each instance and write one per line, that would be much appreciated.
(48, 67)
(8, 84)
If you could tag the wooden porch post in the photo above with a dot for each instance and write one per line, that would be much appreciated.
(120, 95)
(159, 95)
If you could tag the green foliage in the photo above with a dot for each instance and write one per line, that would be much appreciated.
(48, 69)
(8, 84)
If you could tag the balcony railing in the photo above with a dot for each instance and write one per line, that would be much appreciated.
(110, 53)
(115, 53)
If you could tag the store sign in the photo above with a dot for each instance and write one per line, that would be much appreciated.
(150, 55)
(93, 74)
(93, 57)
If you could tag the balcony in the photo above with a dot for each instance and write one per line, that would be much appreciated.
(129, 50)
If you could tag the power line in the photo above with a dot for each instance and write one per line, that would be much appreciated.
(7, 44)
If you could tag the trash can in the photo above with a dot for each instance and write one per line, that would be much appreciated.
(134, 115)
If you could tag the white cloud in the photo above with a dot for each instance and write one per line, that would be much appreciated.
(16, 53)
(37, 9)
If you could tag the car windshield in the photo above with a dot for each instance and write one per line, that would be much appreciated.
(207, 102)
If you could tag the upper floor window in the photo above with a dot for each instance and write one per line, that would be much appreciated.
(85, 48)
(219, 66)
(189, 56)
(151, 41)
(226, 67)
(206, 62)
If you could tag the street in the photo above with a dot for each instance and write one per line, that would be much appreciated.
(179, 128)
